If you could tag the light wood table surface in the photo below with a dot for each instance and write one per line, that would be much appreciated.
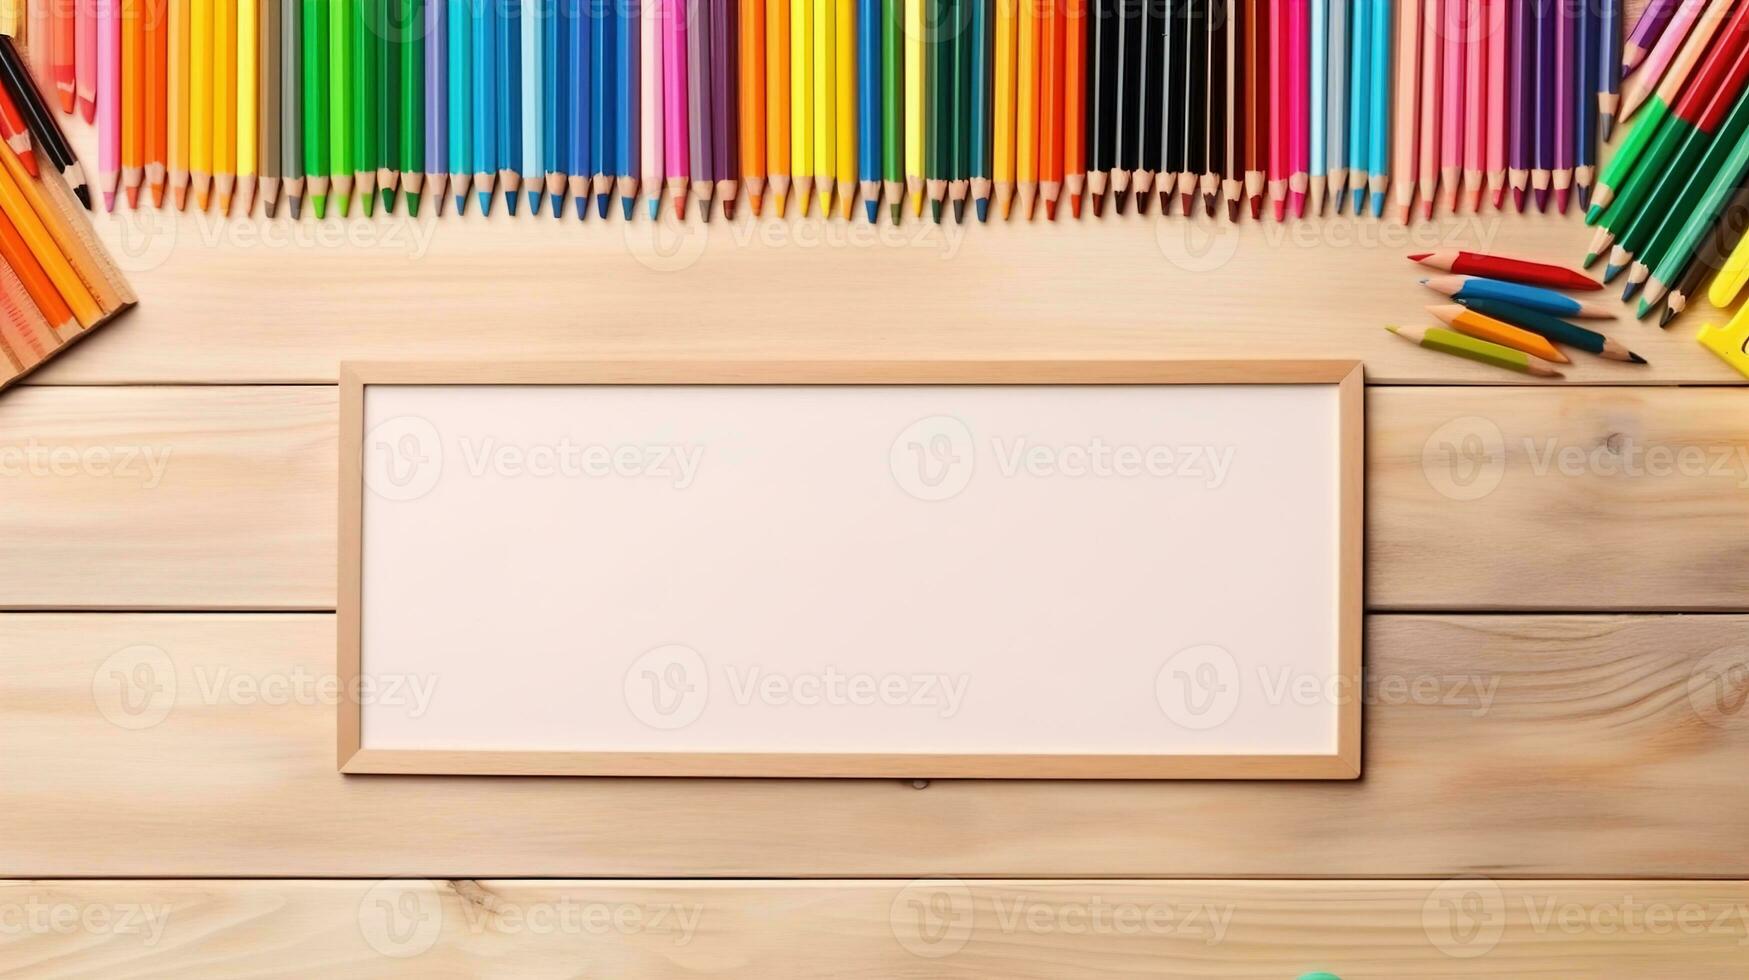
(1557, 651)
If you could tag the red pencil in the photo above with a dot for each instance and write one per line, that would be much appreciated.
(1281, 108)
(1509, 269)
(1075, 103)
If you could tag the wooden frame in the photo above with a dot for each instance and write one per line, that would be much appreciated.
(1344, 763)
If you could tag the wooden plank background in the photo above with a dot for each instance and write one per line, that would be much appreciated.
(1556, 657)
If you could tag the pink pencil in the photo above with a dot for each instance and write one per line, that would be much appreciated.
(1451, 157)
(650, 101)
(675, 146)
(1299, 52)
(1278, 96)
(1404, 137)
(108, 105)
(1431, 76)
(1494, 12)
(85, 33)
(1475, 102)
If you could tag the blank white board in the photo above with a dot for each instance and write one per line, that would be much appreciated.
(1023, 579)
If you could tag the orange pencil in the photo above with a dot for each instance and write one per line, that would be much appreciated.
(62, 58)
(1053, 27)
(1468, 321)
(777, 107)
(752, 95)
(42, 245)
(1075, 102)
(133, 100)
(43, 294)
(16, 133)
(156, 117)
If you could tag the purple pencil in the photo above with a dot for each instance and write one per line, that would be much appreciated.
(723, 156)
(437, 102)
(1646, 32)
(1566, 101)
(1520, 103)
(1543, 159)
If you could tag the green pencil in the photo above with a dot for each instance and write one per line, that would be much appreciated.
(893, 102)
(315, 103)
(1461, 345)
(412, 60)
(938, 86)
(387, 37)
(960, 121)
(366, 78)
(1695, 221)
(341, 24)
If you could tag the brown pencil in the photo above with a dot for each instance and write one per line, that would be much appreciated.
(1256, 107)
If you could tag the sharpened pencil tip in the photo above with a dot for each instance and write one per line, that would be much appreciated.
(388, 201)
(729, 209)
(413, 205)
(1542, 199)
(1359, 197)
(320, 203)
(510, 202)
(1518, 199)
(1590, 260)
(1210, 204)
(602, 203)
(1392, 329)
(757, 203)
(1606, 126)
(872, 210)
(1050, 210)
(897, 211)
(935, 211)
(485, 199)
(1594, 214)
(1630, 291)
(1256, 209)
(1563, 199)
(1585, 198)
(297, 208)
(627, 206)
(1233, 211)
(1099, 205)
(1075, 206)
(983, 209)
(655, 207)
(1643, 309)
(461, 203)
(1378, 205)
(534, 202)
(1664, 319)
(83, 193)
(959, 211)
(1610, 272)
(1117, 201)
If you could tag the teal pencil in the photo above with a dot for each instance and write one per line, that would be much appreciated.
(1378, 146)
(461, 101)
(485, 70)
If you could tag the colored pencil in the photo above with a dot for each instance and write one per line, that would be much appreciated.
(1128, 90)
(224, 109)
(1053, 27)
(1360, 82)
(1281, 98)
(266, 134)
(824, 32)
(1159, 146)
(1672, 61)
(508, 33)
(1417, 105)
(1476, 95)
(1216, 90)
(1454, 91)
(1257, 105)
(1473, 323)
(1555, 329)
(1609, 67)
(1026, 103)
(1543, 300)
(1004, 124)
(1320, 116)
(341, 108)
(63, 45)
(753, 99)
(289, 86)
(437, 110)
(408, 166)
(16, 132)
(156, 96)
(1378, 141)
(1685, 227)
(599, 25)
(777, 104)
(1076, 83)
(534, 27)
(1520, 108)
(88, 37)
(1647, 30)
(893, 105)
(916, 106)
(247, 105)
(318, 158)
(1482, 351)
(725, 120)
(1548, 56)
(1506, 268)
(629, 139)
(801, 102)
(978, 67)
(701, 167)
(1233, 179)
(676, 138)
(845, 134)
(108, 100)
(1711, 258)
(1495, 14)
(1336, 102)
(1194, 110)
(1299, 41)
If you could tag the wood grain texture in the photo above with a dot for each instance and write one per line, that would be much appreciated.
(202, 745)
(948, 929)
(1475, 499)
(253, 300)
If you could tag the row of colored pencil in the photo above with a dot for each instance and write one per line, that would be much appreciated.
(57, 283)
(1670, 202)
(1300, 102)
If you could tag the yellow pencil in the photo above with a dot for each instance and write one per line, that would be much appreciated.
(1002, 137)
(224, 57)
(825, 102)
(200, 99)
(801, 101)
(177, 94)
(1026, 108)
(914, 104)
(846, 58)
(247, 55)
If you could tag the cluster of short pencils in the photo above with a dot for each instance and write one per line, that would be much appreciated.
(1671, 201)
(1285, 104)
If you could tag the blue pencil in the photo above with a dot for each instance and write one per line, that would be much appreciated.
(1585, 116)
(555, 28)
(600, 102)
(532, 71)
(485, 106)
(868, 103)
(578, 130)
(1378, 139)
(509, 72)
(1320, 30)
(461, 102)
(627, 153)
(1609, 66)
(1359, 99)
(436, 101)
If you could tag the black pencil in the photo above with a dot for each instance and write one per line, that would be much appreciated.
(1102, 80)
(1129, 88)
(1215, 104)
(1156, 36)
(1233, 182)
(1194, 20)
(42, 122)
